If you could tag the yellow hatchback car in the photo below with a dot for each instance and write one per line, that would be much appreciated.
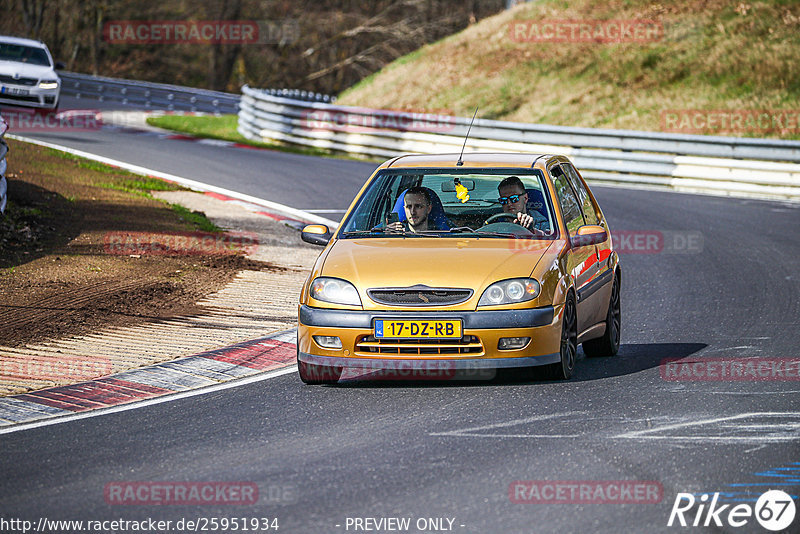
(479, 262)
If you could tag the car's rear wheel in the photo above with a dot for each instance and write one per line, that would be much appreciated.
(569, 342)
(313, 374)
(608, 344)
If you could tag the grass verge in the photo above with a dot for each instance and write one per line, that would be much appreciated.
(711, 55)
(62, 270)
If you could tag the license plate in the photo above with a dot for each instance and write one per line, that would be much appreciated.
(417, 329)
(13, 91)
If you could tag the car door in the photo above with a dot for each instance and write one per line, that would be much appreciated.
(595, 296)
(581, 260)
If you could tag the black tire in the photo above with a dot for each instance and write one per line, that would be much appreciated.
(608, 344)
(313, 374)
(569, 342)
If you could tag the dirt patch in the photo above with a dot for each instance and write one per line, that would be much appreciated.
(59, 276)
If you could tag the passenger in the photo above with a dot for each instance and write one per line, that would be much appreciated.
(417, 205)
(514, 200)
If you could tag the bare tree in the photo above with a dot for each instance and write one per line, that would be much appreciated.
(33, 16)
(337, 43)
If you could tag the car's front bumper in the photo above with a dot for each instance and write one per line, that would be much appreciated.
(29, 96)
(483, 328)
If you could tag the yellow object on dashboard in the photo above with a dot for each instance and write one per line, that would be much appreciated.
(462, 193)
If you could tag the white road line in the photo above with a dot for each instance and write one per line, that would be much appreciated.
(715, 420)
(471, 432)
(746, 392)
(731, 439)
(765, 437)
(149, 402)
(191, 184)
(324, 211)
(530, 436)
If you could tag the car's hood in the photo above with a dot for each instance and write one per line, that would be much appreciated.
(434, 262)
(24, 70)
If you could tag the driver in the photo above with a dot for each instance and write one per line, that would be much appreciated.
(514, 200)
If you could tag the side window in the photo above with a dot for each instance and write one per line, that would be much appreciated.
(589, 212)
(573, 217)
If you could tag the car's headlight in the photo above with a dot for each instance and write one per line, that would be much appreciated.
(48, 84)
(335, 290)
(510, 292)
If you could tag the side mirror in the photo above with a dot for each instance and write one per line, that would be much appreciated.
(316, 234)
(589, 234)
(60, 65)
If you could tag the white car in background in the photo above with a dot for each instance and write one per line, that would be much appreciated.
(27, 74)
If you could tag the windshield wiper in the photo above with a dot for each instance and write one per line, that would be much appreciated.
(362, 232)
(425, 233)
(504, 234)
(383, 232)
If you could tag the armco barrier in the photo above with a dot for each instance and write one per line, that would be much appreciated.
(3, 166)
(750, 167)
(165, 97)
(148, 95)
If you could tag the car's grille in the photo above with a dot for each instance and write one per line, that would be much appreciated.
(369, 345)
(419, 296)
(5, 78)
(20, 98)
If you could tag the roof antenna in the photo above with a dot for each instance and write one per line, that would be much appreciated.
(459, 163)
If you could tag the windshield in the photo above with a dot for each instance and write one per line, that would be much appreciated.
(453, 202)
(24, 54)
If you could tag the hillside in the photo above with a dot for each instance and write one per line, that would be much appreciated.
(710, 55)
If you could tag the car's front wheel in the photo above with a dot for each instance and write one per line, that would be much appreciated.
(313, 374)
(608, 344)
(569, 342)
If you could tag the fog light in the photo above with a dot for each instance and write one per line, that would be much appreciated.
(328, 342)
(512, 343)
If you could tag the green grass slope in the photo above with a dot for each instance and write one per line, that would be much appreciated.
(713, 55)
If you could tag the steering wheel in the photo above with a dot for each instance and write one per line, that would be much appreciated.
(498, 216)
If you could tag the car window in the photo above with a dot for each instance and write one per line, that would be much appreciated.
(452, 208)
(573, 217)
(24, 54)
(589, 213)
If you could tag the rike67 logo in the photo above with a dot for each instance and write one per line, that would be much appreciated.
(774, 510)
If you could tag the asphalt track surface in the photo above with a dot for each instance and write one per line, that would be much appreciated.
(321, 455)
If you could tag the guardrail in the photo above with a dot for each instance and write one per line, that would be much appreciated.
(165, 97)
(761, 168)
(3, 166)
(146, 94)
